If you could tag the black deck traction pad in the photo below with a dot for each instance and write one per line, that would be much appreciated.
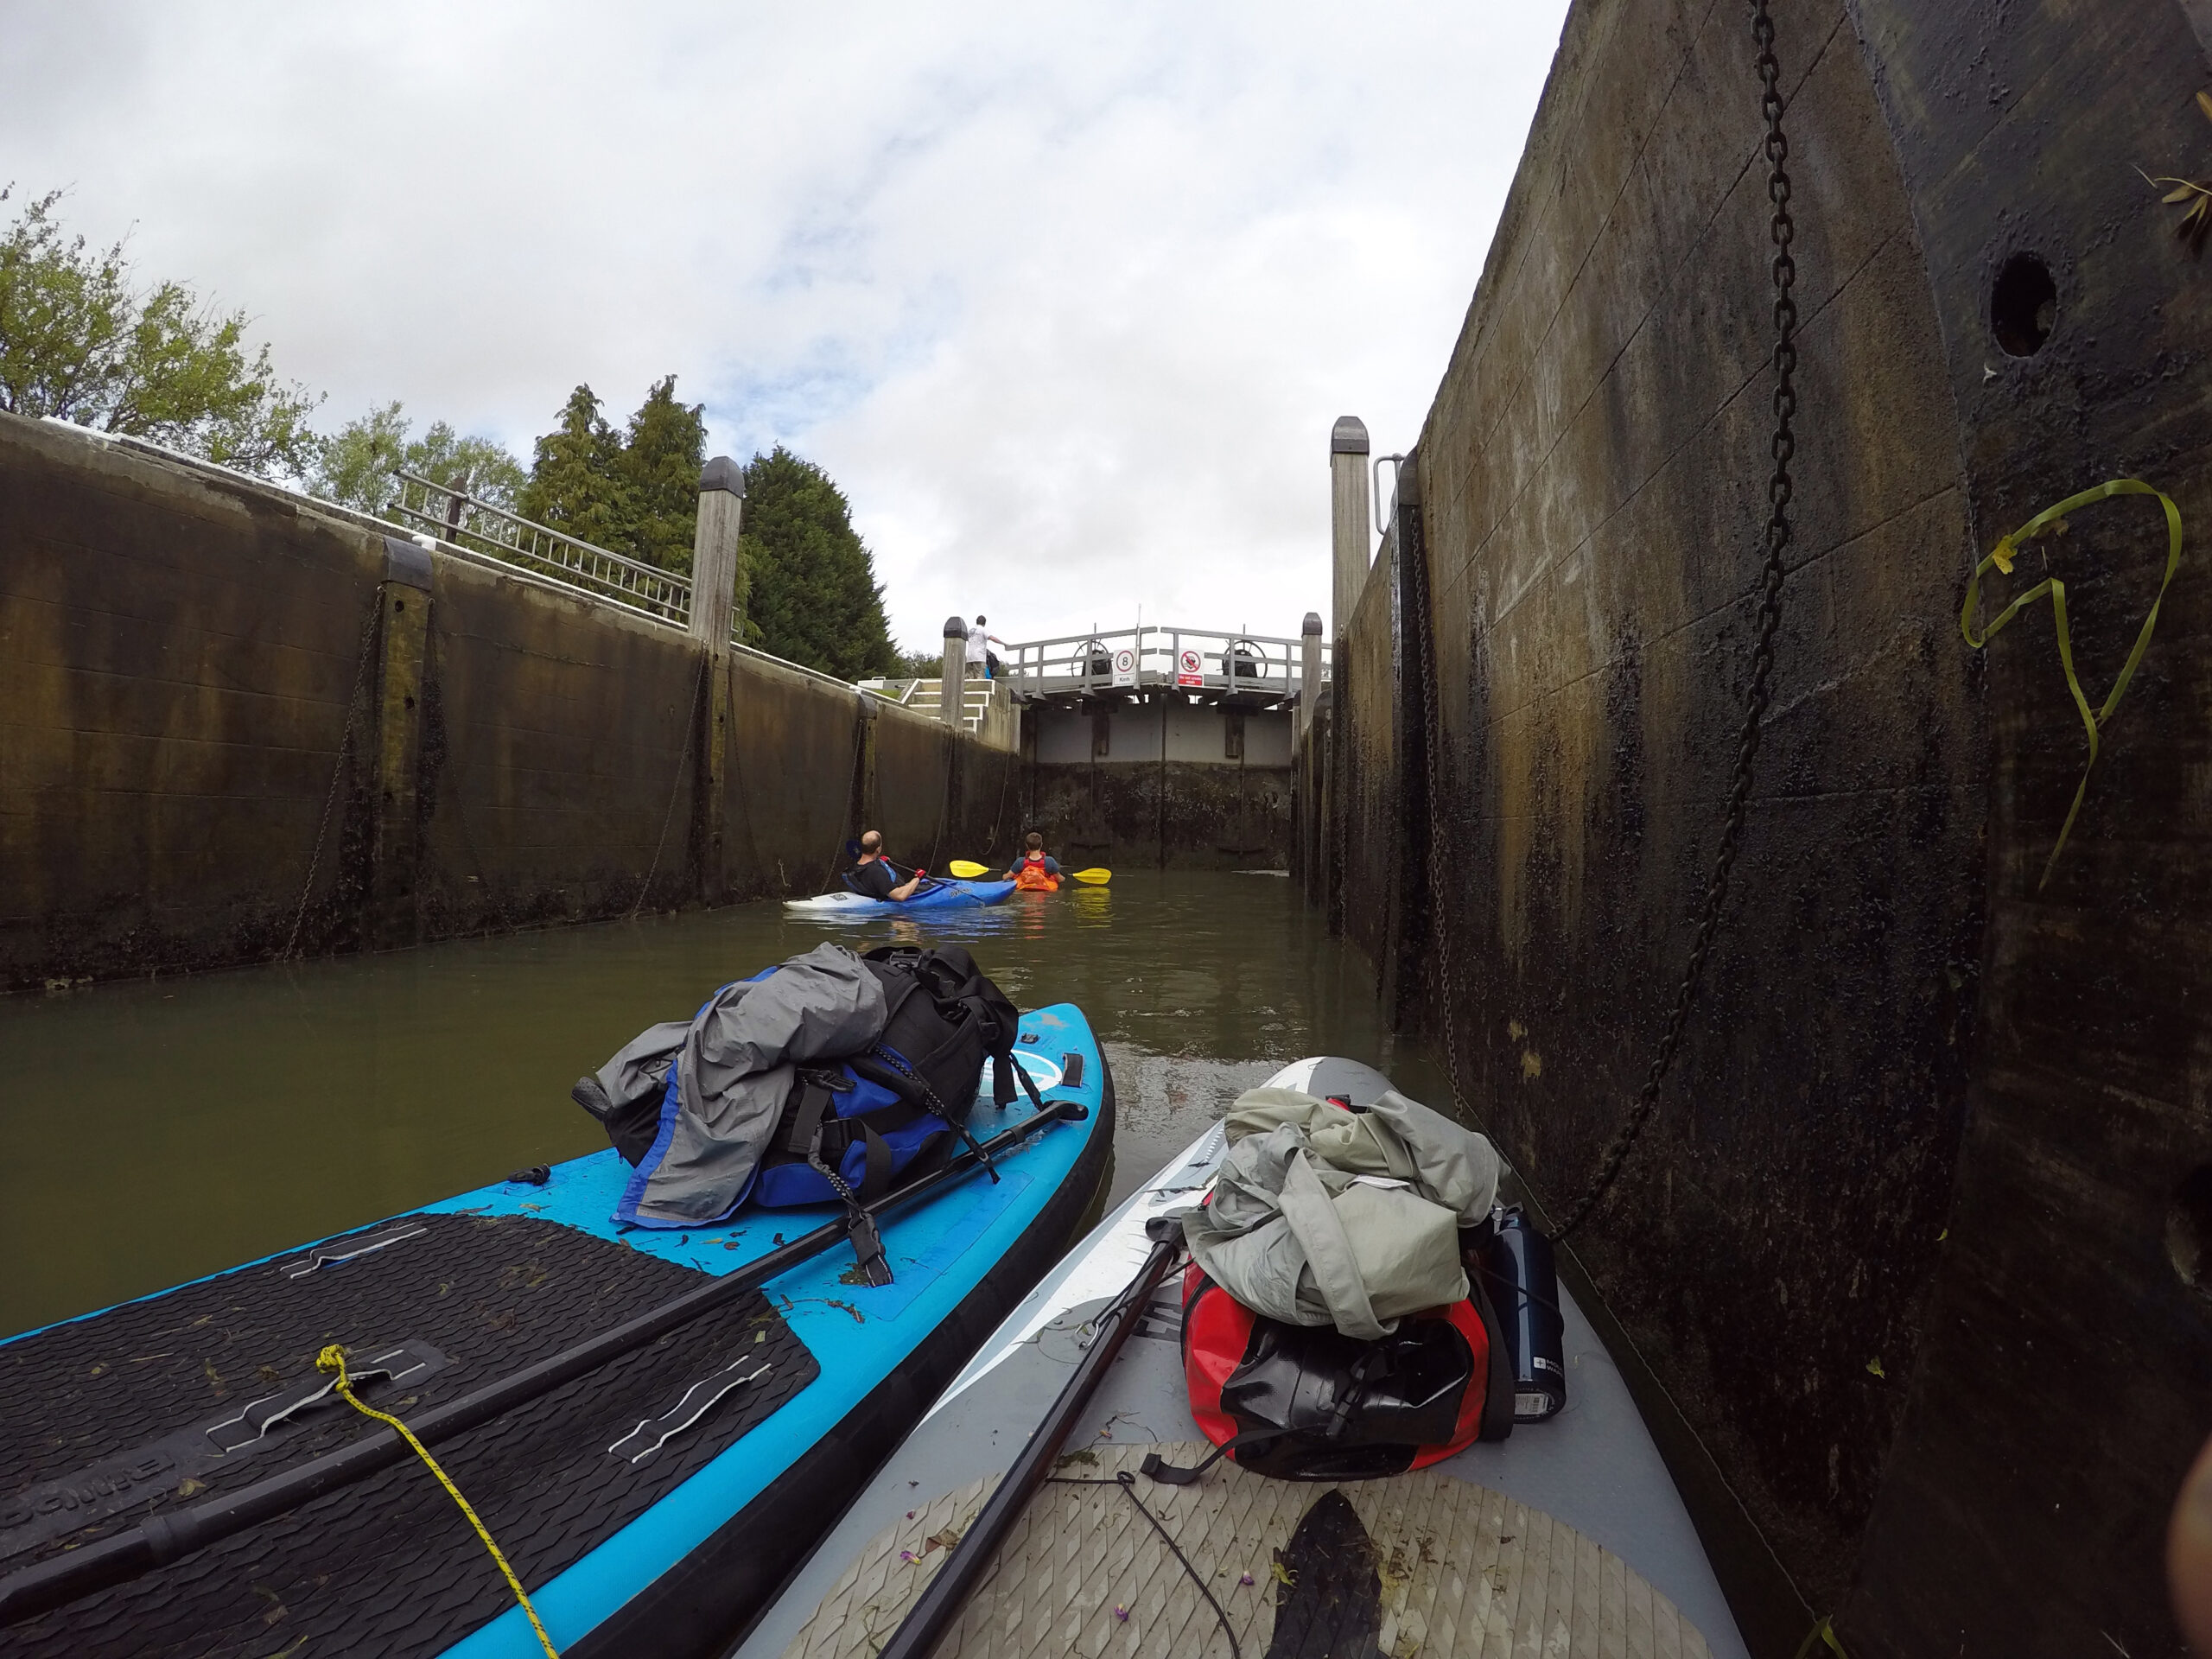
(387, 1566)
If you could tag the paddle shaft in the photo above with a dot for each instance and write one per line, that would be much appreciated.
(925, 1625)
(162, 1538)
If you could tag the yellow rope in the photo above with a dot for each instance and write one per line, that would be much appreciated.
(332, 1359)
(2002, 555)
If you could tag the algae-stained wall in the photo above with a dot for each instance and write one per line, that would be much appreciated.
(1159, 783)
(559, 761)
(165, 754)
(1594, 479)
(2066, 1380)
(183, 657)
(1365, 742)
(1894, 1243)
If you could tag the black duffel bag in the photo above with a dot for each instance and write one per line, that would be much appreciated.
(854, 1125)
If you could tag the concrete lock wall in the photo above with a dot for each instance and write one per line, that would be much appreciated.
(1367, 800)
(1161, 782)
(1913, 1244)
(228, 717)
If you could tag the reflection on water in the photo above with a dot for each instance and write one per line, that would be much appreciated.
(164, 1129)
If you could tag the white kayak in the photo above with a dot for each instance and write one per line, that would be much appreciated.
(1568, 1538)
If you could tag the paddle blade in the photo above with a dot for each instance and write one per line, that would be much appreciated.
(1092, 878)
(967, 869)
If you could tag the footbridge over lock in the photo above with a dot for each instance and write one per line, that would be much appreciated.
(1157, 744)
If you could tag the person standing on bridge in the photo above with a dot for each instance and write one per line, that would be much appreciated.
(876, 877)
(979, 658)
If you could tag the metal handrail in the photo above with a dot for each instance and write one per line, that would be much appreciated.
(1234, 660)
(355, 516)
(510, 536)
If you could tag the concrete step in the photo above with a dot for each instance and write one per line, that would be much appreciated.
(975, 698)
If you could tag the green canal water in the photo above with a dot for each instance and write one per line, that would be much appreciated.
(164, 1129)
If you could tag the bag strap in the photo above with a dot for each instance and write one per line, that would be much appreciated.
(806, 1133)
(1173, 1474)
(877, 1179)
(1498, 1389)
(867, 1244)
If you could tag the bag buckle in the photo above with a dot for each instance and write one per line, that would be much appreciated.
(874, 1267)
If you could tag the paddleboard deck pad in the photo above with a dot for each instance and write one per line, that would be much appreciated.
(388, 1564)
(653, 1505)
(1420, 1564)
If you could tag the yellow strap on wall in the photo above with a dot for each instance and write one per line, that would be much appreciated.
(332, 1359)
(2002, 555)
(1823, 1631)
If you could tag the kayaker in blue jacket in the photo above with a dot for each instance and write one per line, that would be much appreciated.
(876, 876)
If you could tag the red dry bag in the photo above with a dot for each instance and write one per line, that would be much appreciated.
(1307, 1403)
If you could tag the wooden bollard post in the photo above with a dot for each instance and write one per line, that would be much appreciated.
(955, 667)
(1309, 671)
(1350, 533)
(714, 552)
(715, 620)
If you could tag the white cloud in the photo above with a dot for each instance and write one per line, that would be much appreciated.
(1065, 297)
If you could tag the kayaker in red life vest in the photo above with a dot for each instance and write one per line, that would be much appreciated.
(876, 876)
(1033, 871)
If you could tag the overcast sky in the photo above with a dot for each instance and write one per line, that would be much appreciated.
(1065, 297)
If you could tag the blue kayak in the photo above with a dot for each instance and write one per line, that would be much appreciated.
(933, 894)
(651, 1501)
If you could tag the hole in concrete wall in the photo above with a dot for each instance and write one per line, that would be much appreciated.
(2189, 1231)
(2023, 305)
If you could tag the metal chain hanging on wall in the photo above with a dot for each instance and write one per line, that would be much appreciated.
(1784, 272)
(1756, 697)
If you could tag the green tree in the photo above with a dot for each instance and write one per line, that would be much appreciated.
(814, 598)
(660, 467)
(355, 466)
(79, 339)
(576, 481)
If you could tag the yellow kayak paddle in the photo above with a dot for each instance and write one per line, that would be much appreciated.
(967, 870)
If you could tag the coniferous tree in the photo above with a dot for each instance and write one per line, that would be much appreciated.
(660, 468)
(576, 482)
(814, 598)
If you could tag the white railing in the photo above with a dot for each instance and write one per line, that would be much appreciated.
(453, 516)
(1221, 661)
